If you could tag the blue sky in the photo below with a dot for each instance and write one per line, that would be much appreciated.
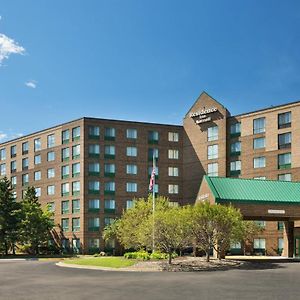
(142, 60)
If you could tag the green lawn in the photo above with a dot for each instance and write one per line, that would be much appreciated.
(110, 262)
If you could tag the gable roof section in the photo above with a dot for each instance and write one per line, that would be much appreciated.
(253, 191)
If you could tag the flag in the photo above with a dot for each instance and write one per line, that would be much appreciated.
(152, 178)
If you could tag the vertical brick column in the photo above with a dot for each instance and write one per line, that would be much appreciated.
(288, 237)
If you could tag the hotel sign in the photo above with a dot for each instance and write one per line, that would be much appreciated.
(203, 115)
(276, 211)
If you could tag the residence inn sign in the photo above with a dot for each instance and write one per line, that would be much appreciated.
(203, 115)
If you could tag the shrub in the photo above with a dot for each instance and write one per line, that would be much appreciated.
(144, 255)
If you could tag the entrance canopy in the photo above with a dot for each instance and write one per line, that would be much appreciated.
(256, 199)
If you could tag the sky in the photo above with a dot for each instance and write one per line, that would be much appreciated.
(142, 60)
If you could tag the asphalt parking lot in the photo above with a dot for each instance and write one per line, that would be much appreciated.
(44, 280)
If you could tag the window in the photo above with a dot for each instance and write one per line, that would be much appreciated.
(37, 175)
(2, 154)
(259, 162)
(235, 148)
(75, 206)
(131, 169)
(235, 167)
(129, 204)
(51, 173)
(75, 170)
(94, 132)
(212, 152)
(173, 171)
(94, 150)
(284, 140)
(25, 163)
(93, 224)
(51, 206)
(153, 137)
(25, 148)
(2, 169)
(109, 151)
(75, 224)
(259, 125)
(38, 191)
(280, 245)
(65, 136)
(109, 205)
(94, 205)
(150, 168)
(131, 133)
(152, 152)
(76, 133)
(260, 178)
(213, 133)
(65, 189)
(173, 189)
(284, 120)
(94, 187)
(284, 161)
(51, 156)
(259, 143)
(280, 225)
(109, 187)
(109, 169)
(37, 144)
(37, 159)
(173, 154)
(65, 224)
(50, 140)
(213, 169)
(131, 151)
(94, 243)
(13, 166)
(108, 221)
(236, 245)
(25, 179)
(13, 181)
(259, 244)
(76, 151)
(235, 129)
(50, 190)
(261, 224)
(285, 177)
(109, 133)
(76, 188)
(65, 154)
(65, 172)
(173, 136)
(131, 187)
(13, 151)
(65, 207)
(94, 169)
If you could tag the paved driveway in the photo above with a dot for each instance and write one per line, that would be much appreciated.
(44, 280)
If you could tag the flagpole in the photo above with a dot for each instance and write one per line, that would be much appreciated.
(153, 207)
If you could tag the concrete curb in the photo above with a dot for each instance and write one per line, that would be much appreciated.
(64, 265)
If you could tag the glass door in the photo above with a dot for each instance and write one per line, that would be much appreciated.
(297, 247)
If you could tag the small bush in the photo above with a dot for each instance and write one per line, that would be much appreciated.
(161, 255)
(144, 255)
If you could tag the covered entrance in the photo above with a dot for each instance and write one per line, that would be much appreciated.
(263, 200)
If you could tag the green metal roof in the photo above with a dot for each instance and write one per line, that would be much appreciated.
(254, 190)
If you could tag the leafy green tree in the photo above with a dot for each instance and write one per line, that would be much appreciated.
(36, 224)
(172, 230)
(9, 216)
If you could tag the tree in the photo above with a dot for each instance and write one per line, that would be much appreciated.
(36, 224)
(172, 230)
(9, 215)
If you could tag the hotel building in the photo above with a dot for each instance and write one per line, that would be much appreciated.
(89, 170)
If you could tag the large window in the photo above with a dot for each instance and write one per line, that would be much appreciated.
(173, 188)
(94, 205)
(94, 224)
(284, 140)
(25, 179)
(94, 132)
(94, 187)
(75, 206)
(50, 140)
(109, 187)
(235, 148)
(25, 148)
(109, 170)
(65, 224)
(259, 162)
(25, 163)
(51, 190)
(75, 224)
(212, 151)
(38, 191)
(51, 173)
(109, 205)
(76, 152)
(284, 161)
(285, 177)
(235, 167)
(37, 175)
(65, 172)
(65, 189)
(13, 166)
(94, 169)
(259, 143)
(173, 154)
(13, 151)
(152, 152)
(37, 144)
(131, 187)
(173, 171)
(131, 133)
(75, 170)
(2, 154)
(37, 159)
(65, 136)
(76, 133)
(235, 129)
(109, 133)
(213, 133)
(65, 154)
(259, 125)
(131, 151)
(65, 207)
(2, 169)
(131, 169)
(173, 136)
(109, 151)
(259, 244)
(213, 169)
(76, 188)
(51, 156)
(153, 137)
(284, 120)
(94, 150)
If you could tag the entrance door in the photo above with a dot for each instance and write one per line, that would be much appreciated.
(297, 247)
(76, 245)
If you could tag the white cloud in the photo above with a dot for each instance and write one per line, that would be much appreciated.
(3, 136)
(31, 84)
(9, 136)
(8, 46)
